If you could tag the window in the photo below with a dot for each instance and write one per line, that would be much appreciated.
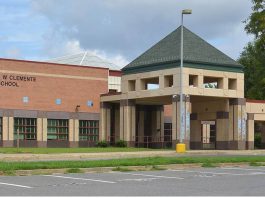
(131, 85)
(58, 101)
(193, 81)
(57, 129)
(26, 127)
(150, 83)
(168, 81)
(213, 82)
(232, 83)
(90, 103)
(88, 130)
(25, 99)
(1, 128)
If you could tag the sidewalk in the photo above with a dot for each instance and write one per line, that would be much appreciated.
(119, 155)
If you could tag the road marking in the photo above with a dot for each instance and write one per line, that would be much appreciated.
(16, 185)
(156, 176)
(142, 179)
(204, 172)
(84, 179)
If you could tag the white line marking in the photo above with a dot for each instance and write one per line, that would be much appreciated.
(84, 179)
(16, 185)
(142, 179)
(204, 172)
(157, 176)
(249, 169)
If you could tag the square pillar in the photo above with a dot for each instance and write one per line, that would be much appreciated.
(42, 132)
(195, 132)
(8, 131)
(250, 131)
(185, 119)
(73, 133)
(238, 118)
(127, 121)
(223, 136)
(104, 122)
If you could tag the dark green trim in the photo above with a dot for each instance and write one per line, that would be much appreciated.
(175, 64)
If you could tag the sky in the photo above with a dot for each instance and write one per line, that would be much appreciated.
(117, 30)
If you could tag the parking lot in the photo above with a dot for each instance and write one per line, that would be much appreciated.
(193, 181)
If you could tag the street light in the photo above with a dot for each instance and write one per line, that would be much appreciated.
(181, 146)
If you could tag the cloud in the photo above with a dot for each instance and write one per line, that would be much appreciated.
(125, 29)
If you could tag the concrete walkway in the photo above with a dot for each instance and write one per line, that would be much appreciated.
(120, 155)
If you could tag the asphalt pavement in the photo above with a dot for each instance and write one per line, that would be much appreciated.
(232, 181)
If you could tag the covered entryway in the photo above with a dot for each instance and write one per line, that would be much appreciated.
(208, 134)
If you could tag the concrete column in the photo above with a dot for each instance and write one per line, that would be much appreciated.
(250, 131)
(8, 131)
(104, 122)
(72, 133)
(195, 132)
(141, 126)
(222, 130)
(238, 118)
(186, 121)
(127, 121)
(41, 129)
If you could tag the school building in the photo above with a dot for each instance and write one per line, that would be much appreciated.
(80, 99)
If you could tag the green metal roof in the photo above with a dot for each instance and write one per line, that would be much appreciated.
(197, 54)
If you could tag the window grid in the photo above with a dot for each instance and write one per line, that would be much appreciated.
(1, 128)
(88, 130)
(27, 128)
(57, 129)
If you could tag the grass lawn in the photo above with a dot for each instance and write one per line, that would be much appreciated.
(70, 150)
(11, 166)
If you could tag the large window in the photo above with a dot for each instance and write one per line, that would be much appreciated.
(26, 128)
(1, 128)
(88, 130)
(57, 129)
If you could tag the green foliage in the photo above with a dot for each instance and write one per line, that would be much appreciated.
(255, 164)
(121, 143)
(253, 56)
(102, 144)
(253, 61)
(255, 24)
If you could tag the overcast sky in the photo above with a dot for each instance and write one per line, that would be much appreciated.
(119, 30)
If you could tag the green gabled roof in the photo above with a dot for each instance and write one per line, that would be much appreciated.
(197, 54)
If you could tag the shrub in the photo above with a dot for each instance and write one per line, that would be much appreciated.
(121, 143)
(102, 144)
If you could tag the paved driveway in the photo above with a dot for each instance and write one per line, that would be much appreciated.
(194, 182)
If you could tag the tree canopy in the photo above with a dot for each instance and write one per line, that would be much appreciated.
(253, 55)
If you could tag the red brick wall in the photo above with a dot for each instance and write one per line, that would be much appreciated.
(52, 81)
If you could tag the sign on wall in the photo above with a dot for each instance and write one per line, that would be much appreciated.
(11, 80)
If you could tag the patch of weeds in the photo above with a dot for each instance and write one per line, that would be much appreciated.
(74, 170)
(154, 167)
(121, 169)
(255, 164)
(209, 165)
(9, 172)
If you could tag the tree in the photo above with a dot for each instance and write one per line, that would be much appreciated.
(253, 55)
(255, 24)
(254, 68)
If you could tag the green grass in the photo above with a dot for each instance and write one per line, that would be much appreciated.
(147, 161)
(70, 150)
(74, 170)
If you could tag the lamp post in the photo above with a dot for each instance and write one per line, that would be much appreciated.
(181, 145)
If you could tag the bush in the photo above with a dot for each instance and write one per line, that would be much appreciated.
(121, 143)
(102, 144)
